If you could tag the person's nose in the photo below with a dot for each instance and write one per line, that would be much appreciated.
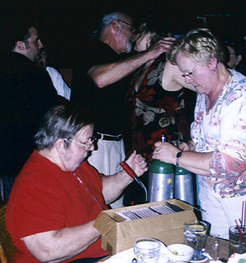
(188, 79)
(134, 36)
(92, 148)
(40, 44)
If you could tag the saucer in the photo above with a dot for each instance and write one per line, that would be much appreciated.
(200, 261)
(204, 259)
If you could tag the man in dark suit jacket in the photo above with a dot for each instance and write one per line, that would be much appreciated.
(27, 94)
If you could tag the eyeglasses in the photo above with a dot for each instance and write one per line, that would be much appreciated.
(133, 29)
(83, 145)
(189, 74)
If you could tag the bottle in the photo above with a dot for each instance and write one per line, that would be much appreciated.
(161, 180)
(184, 186)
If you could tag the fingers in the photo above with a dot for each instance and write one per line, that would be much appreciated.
(139, 157)
(182, 146)
(157, 144)
(132, 157)
(166, 42)
(157, 147)
(171, 39)
(141, 160)
(155, 152)
(136, 158)
(141, 165)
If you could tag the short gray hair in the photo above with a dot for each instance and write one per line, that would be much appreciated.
(105, 22)
(61, 122)
(200, 44)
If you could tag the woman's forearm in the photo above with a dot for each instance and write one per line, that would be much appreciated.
(56, 246)
(194, 162)
(197, 163)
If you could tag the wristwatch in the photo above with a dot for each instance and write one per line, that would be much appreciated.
(177, 157)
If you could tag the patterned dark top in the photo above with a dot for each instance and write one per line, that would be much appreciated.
(156, 111)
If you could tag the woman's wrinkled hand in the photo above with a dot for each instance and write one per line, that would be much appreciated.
(165, 152)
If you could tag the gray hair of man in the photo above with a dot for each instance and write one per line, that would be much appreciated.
(200, 45)
(105, 22)
(61, 122)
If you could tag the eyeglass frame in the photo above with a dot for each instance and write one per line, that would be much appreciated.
(189, 74)
(134, 30)
(83, 145)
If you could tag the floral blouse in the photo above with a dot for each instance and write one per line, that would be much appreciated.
(156, 111)
(223, 131)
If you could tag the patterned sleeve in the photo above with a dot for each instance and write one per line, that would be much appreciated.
(229, 158)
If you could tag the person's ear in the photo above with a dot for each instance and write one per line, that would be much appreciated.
(239, 58)
(116, 26)
(60, 146)
(213, 63)
(21, 45)
(148, 40)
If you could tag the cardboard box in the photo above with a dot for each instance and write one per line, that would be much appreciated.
(118, 234)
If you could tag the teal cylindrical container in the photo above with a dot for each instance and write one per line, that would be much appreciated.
(184, 186)
(161, 181)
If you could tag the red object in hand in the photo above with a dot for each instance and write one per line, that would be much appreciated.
(131, 173)
(128, 169)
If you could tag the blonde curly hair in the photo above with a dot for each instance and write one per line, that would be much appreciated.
(200, 45)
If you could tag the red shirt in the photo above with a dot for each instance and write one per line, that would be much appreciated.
(45, 198)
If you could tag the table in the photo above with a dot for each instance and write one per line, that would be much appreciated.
(223, 251)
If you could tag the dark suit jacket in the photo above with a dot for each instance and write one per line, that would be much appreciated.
(27, 94)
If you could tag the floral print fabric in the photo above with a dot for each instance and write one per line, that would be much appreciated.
(156, 111)
(222, 130)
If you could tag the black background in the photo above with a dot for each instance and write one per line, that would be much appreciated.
(64, 25)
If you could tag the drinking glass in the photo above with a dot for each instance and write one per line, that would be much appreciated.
(195, 234)
(146, 250)
(235, 241)
(213, 246)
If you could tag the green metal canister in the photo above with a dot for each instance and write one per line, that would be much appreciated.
(161, 181)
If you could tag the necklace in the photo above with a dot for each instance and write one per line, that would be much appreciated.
(87, 190)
